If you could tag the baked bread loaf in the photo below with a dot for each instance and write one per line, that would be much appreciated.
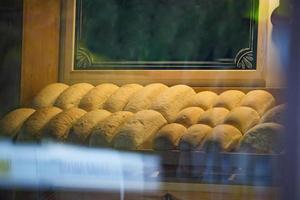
(204, 100)
(82, 128)
(173, 100)
(143, 99)
(263, 138)
(32, 128)
(243, 118)
(139, 130)
(194, 137)
(97, 96)
(275, 115)
(118, 100)
(259, 100)
(213, 117)
(48, 95)
(58, 127)
(189, 116)
(72, 96)
(11, 123)
(104, 131)
(229, 99)
(223, 138)
(168, 137)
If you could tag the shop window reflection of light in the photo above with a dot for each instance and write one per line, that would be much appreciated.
(73, 167)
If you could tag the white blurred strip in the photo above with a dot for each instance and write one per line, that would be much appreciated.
(62, 166)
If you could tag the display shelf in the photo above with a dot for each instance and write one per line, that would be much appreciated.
(87, 164)
(62, 172)
(219, 168)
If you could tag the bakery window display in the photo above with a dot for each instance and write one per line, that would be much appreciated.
(223, 137)
(82, 128)
(229, 99)
(34, 124)
(195, 134)
(97, 96)
(139, 130)
(189, 116)
(48, 95)
(197, 93)
(204, 100)
(173, 100)
(275, 115)
(214, 116)
(59, 127)
(259, 100)
(263, 138)
(243, 118)
(118, 100)
(195, 137)
(71, 96)
(144, 98)
(11, 123)
(103, 133)
(168, 137)
(137, 117)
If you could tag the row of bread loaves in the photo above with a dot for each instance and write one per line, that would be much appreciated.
(101, 128)
(130, 97)
(259, 100)
(156, 96)
(179, 104)
(242, 115)
(146, 129)
(262, 138)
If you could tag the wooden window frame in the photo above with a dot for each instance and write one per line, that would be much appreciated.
(196, 78)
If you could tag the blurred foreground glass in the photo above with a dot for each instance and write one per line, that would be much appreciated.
(57, 167)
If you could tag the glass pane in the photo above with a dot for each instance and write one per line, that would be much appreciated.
(225, 131)
(166, 34)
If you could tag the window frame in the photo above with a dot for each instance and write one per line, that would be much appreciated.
(195, 78)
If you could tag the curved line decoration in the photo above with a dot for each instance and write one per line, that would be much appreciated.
(244, 59)
(83, 58)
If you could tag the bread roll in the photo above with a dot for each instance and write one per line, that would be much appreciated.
(213, 117)
(263, 138)
(139, 130)
(275, 115)
(194, 137)
(72, 96)
(171, 101)
(168, 137)
(243, 118)
(204, 100)
(222, 138)
(229, 99)
(97, 96)
(189, 116)
(104, 131)
(143, 99)
(58, 127)
(259, 100)
(32, 128)
(118, 100)
(48, 95)
(11, 123)
(83, 127)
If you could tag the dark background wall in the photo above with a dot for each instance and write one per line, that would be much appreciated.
(10, 53)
